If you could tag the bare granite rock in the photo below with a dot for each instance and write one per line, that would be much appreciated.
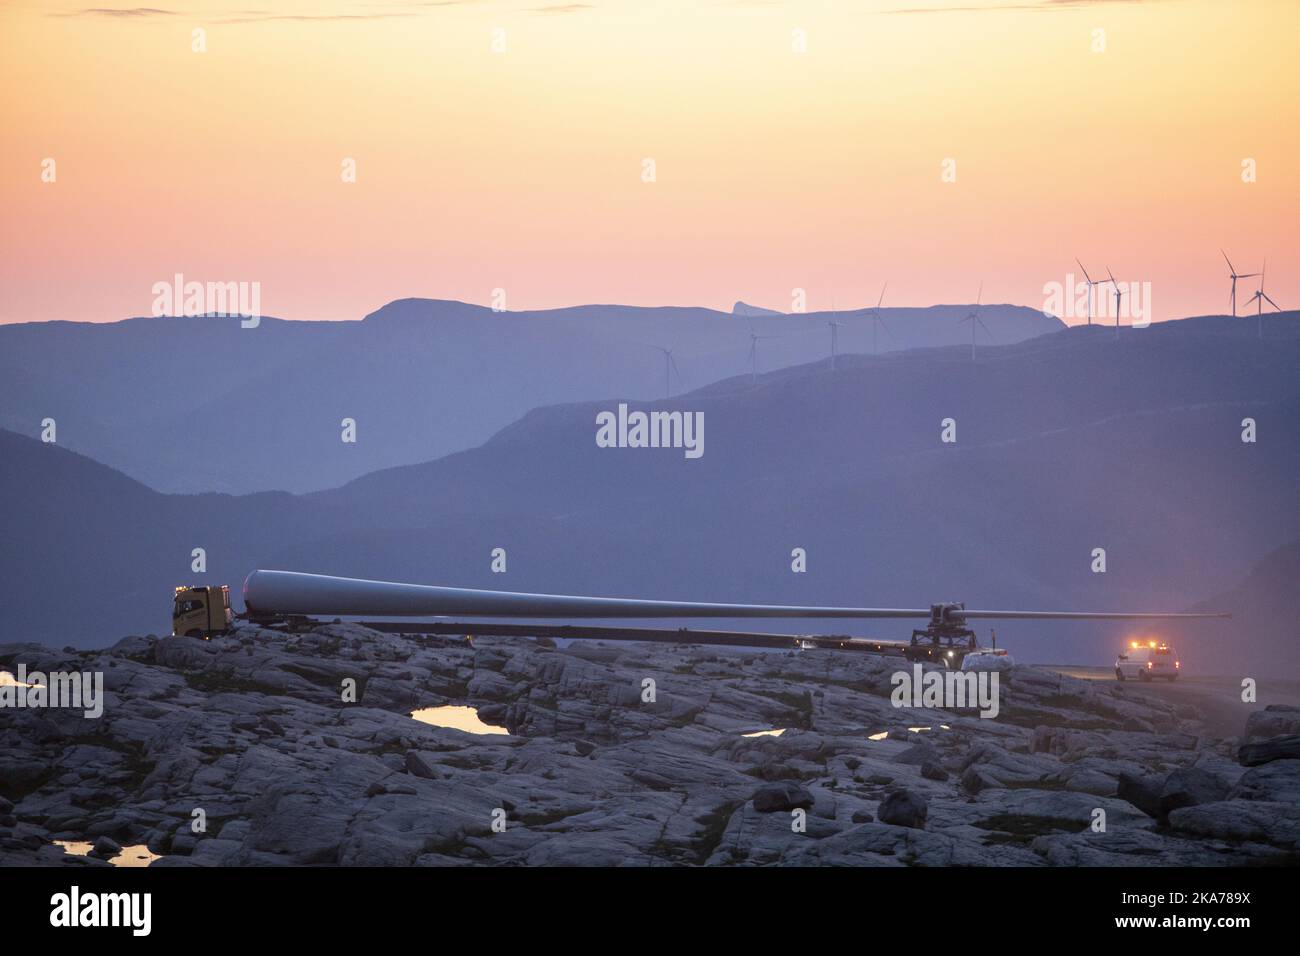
(265, 748)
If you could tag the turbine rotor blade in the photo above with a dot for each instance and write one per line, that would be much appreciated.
(289, 592)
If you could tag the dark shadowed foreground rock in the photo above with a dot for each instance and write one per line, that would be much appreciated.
(1275, 748)
(1275, 720)
(903, 808)
(1189, 787)
(1142, 792)
(782, 796)
(252, 750)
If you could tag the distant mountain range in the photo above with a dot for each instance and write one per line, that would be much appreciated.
(201, 404)
(1263, 607)
(1065, 443)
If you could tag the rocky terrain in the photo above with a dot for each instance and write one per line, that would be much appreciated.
(251, 736)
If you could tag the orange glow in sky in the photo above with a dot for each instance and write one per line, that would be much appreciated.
(480, 167)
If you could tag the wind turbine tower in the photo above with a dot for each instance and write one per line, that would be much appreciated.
(1087, 278)
(1260, 298)
(1119, 294)
(974, 316)
(1234, 276)
(877, 321)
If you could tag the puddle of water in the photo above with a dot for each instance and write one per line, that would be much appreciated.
(131, 856)
(139, 855)
(457, 718)
(916, 730)
(765, 733)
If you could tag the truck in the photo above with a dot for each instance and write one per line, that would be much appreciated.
(1147, 660)
(201, 610)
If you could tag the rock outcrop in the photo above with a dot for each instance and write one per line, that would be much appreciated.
(268, 748)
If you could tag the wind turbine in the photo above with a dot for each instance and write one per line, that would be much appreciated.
(1088, 279)
(974, 316)
(1234, 276)
(835, 327)
(877, 321)
(835, 332)
(1260, 296)
(1119, 294)
(670, 366)
(754, 339)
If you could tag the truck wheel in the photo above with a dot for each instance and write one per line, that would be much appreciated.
(1119, 674)
(1144, 675)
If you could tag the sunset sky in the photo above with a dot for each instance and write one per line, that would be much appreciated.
(523, 169)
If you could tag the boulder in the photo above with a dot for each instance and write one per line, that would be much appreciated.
(421, 764)
(1142, 792)
(1263, 751)
(781, 796)
(920, 753)
(903, 808)
(1275, 720)
(932, 771)
(988, 662)
(1191, 787)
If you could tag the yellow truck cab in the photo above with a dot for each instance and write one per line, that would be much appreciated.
(1147, 660)
(201, 611)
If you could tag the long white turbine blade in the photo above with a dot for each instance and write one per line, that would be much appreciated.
(882, 294)
(1271, 302)
(1232, 269)
(1084, 615)
(290, 592)
(1085, 271)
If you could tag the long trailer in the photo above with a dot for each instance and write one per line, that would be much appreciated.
(682, 635)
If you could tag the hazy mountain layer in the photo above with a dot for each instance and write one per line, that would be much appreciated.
(201, 404)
